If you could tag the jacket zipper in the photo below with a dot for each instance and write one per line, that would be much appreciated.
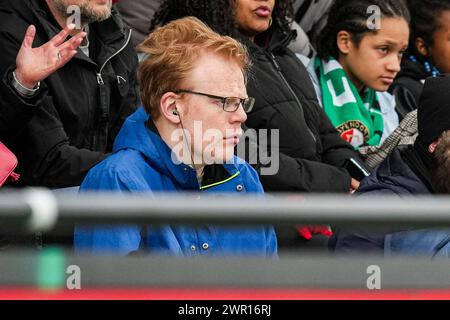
(280, 72)
(101, 84)
(99, 74)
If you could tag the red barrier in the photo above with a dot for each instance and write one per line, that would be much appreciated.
(220, 294)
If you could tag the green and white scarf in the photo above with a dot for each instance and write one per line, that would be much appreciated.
(358, 119)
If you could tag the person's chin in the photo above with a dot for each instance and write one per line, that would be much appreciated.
(228, 154)
(384, 84)
(380, 87)
(228, 160)
(260, 27)
(102, 10)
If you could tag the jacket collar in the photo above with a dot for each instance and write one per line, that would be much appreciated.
(272, 40)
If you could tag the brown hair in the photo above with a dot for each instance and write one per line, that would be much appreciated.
(441, 165)
(173, 51)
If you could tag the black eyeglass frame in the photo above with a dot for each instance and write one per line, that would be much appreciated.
(224, 100)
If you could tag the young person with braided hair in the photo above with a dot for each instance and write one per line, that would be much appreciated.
(428, 55)
(359, 55)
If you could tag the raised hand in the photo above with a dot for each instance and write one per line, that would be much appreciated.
(36, 64)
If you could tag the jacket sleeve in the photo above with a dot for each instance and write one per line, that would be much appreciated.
(301, 175)
(361, 240)
(285, 173)
(16, 111)
(255, 188)
(272, 242)
(100, 239)
(57, 163)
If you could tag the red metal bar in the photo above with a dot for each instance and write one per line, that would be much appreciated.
(219, 294)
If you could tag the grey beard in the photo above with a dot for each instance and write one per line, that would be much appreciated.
(87, 16)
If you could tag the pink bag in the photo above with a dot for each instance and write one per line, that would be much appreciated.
(8, 162)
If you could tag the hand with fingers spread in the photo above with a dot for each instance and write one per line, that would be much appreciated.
(36, 64)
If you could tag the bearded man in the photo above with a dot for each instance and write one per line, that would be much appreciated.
(61, 123)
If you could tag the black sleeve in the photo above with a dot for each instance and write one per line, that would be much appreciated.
(15, 110)
(288, 174)
(300, 175)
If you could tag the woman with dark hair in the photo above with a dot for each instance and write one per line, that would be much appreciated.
(311, 153)
(428, 53)
(428, 56)
(359, 55)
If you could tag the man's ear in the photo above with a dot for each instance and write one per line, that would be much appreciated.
(421, 46)
(432, 147)
(168, 107)
(344, 42)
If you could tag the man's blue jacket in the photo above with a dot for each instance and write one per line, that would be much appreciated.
(142, 162)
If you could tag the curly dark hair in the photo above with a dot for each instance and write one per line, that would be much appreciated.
(352, 16)
(218, 14)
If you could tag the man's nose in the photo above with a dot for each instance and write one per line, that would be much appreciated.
(239, 115)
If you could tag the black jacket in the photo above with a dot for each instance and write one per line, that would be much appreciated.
(311, 151)
(71, 125)
(408, 86)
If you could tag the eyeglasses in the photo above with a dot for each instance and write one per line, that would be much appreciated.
(229, 104)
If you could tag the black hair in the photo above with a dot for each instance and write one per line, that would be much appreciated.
(425, 20)
(217, 14)
(352, 16)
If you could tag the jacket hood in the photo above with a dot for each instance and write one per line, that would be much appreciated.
(135, 135)
(394, 175)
